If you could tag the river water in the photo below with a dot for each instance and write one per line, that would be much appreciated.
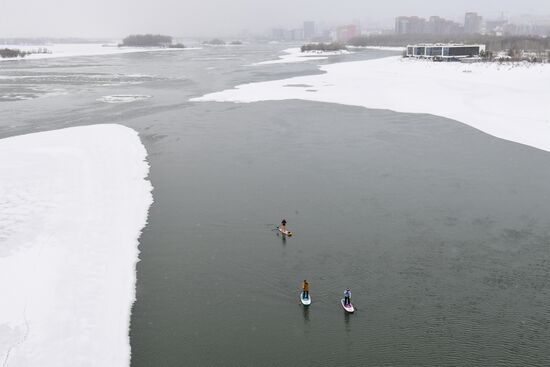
(441, 232)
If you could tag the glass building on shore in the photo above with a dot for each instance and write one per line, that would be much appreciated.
(444, 52)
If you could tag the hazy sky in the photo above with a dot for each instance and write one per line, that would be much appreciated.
(117, 18)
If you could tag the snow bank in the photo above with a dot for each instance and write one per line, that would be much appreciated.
(73, 203)
(291, 55)
(82, 49)
(509, 101)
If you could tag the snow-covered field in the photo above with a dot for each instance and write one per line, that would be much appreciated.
(291, 55)
(82, 49)
(73, 203)
(509, 101)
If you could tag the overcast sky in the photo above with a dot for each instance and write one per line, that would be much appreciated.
(117, 18)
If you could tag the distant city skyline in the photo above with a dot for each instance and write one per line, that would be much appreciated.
(102, 18)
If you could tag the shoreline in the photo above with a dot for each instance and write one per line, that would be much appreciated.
(75, 203)
(506, 101)
(61, 50)
(294, 54)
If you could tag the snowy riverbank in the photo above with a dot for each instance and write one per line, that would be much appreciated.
(291, 55)
(74, 202)
(82, 49)
(509, 101)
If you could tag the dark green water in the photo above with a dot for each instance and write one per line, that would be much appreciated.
(441, 232)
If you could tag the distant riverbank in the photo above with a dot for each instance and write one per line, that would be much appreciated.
(83, 49)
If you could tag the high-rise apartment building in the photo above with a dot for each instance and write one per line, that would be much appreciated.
(472, 23)
(309, 30)
(410, 25)
(438, 25)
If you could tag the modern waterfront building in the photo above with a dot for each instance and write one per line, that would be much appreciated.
(444, 52)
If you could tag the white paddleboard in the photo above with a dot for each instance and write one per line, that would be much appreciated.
(305, 301)
(349, 308)
(287, 233)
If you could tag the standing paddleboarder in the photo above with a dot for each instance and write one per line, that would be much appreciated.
(305, 289)
(347, 297)
(304, 295)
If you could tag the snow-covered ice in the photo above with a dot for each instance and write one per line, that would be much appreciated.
(509, 101)
(291, 55)
(73, 204)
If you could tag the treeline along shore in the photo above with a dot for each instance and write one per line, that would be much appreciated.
(149, 40)
(334, 46)
(9, 53)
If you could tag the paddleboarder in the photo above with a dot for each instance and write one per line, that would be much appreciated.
(305, 289)
(347, 297)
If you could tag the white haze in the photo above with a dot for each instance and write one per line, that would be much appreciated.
(107, 18)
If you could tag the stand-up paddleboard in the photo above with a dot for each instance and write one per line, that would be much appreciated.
(349, 308)
(286, 233)
(305, 301)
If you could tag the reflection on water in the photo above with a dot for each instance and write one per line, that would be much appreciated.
(283, 238)
(306, 313)
(347, 323)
